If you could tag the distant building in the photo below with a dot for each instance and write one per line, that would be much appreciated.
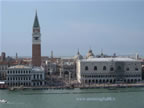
(67, 68)
(36, 43)
(109, 70)
(50, 65)
(3, 70)
(50, 68)
(3, 56)
(21, 75)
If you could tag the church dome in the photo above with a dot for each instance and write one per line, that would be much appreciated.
(90, 54)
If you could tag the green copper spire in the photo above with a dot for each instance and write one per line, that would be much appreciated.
(36, 22)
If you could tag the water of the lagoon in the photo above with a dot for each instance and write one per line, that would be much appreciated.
(92, 98)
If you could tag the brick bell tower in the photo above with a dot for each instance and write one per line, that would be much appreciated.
(36, 43)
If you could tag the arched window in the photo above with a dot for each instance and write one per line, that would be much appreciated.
(40, 83)
(136, 69)
(95, 68)
(127, 69)
(34, 76)
(119, 68)
(86, 68)
(37, 76)
(89, 81)
(104, 68)
(40, 76)
(111, 69)
(66, 72)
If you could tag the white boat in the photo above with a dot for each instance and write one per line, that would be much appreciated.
(3, 101)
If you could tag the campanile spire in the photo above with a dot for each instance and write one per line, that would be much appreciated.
(36, 22)
(36, 43)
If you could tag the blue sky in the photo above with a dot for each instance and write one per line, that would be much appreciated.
(112, 25)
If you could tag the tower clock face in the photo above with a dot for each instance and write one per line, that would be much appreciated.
(36, 30)
(36, 38)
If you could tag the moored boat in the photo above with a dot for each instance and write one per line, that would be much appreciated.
(3, 101)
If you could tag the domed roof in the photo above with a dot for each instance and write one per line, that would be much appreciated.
(78, 56)
(90, 54)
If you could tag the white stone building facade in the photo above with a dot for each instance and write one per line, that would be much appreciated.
(108, 70)
(37, 76)
(25, 76)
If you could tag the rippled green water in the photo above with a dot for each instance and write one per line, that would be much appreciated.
(92, 98)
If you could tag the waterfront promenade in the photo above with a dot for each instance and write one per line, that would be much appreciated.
(110, 86)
